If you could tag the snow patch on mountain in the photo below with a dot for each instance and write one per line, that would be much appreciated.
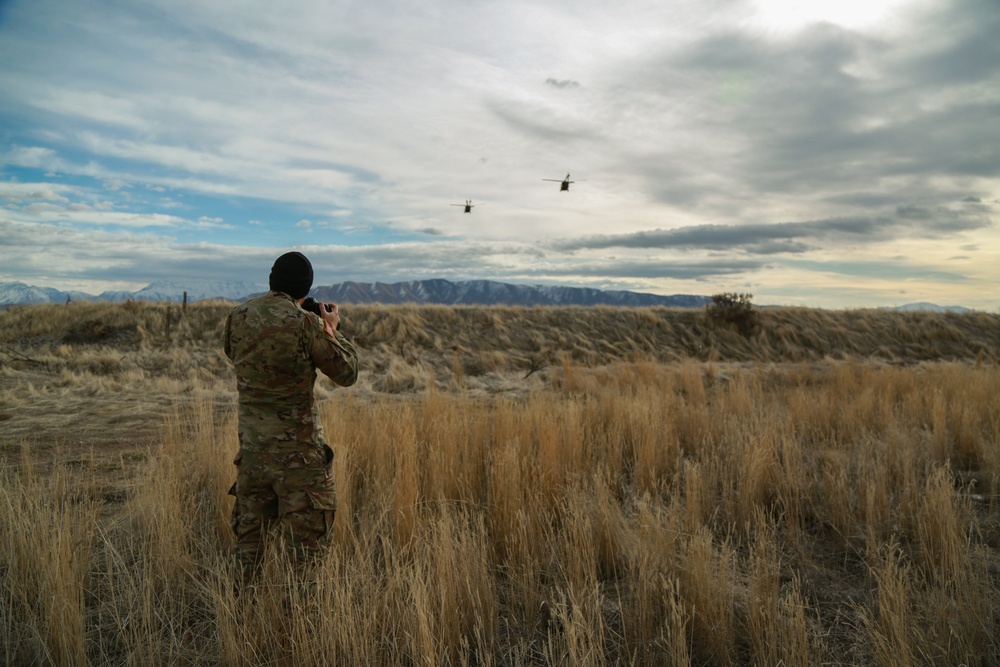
(17, 292)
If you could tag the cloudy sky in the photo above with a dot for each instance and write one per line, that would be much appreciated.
(828, 153)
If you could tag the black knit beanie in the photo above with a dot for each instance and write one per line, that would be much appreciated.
(292, 274)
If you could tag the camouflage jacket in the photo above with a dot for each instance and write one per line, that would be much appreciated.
(276, 348)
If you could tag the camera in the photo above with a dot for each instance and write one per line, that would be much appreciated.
(313, 306)
(318, 307)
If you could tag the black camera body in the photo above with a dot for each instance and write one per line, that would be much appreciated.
(313, 306)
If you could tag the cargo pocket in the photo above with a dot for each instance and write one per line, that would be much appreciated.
(324, 503)
(234, 519)
(323, 498)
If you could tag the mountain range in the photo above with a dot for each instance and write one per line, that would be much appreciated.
(435, 291)
(488, 293)
(17, 293)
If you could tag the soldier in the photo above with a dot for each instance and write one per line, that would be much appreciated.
(284, 468)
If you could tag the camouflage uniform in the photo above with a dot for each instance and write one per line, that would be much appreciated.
(284, 481)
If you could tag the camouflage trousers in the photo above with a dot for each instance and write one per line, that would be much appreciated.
(285, 492)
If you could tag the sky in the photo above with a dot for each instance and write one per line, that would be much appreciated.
(819, 153)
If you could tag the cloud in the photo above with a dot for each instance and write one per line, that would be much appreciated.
(14, 193)
(650, 269)
(562, 83)
(790, 237)
(541, 123)
(93, 107)
(56, 254)
(33, 156)
(826, 113)
(884, 270)
(714, 147)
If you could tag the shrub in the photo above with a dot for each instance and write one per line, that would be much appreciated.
(735, 310)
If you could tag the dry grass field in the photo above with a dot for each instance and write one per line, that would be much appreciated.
(517, 486)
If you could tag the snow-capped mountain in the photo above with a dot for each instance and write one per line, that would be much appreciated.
(437, 291)
(444, 292)
(15, 293)
(488, 292)
(929, 307)
(11, 293)
(196, 291)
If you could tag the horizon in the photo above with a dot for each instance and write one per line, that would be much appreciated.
(189, 284)
(827, 154)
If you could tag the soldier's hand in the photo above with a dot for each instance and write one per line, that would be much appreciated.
(331, 315)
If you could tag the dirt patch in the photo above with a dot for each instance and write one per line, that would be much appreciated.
(96, 332)
(107, 434)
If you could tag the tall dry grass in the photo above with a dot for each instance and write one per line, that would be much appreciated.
(407, 348)
(517, 486)
(636, 514)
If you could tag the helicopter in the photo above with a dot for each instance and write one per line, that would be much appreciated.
(468, 205)
(564, 182)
